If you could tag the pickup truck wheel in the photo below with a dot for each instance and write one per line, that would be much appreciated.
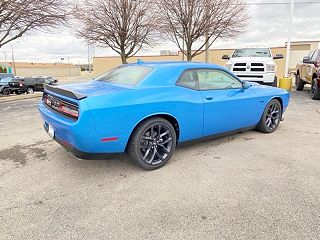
(6, 92)
(299, 83)
(152, 143)
(315, 90)
(271, 117)
(30, 90)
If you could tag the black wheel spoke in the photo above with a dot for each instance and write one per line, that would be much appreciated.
(146, 154)
(152, 157)
(159, 155)
(159, 130)
(164, 134)
(164, 148)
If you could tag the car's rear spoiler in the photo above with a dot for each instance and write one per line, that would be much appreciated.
(64, 92)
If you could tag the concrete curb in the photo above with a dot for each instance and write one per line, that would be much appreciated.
(20, 97)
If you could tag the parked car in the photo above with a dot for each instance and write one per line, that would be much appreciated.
(33, 84)
(308, 72)
(10, 84)
(146, 109)
(254, 64)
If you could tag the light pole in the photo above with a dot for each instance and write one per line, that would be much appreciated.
(13, 62)
(207, 47)
(289, 38)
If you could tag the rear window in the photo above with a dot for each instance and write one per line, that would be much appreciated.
(126, 75)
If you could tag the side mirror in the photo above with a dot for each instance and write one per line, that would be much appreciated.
(225, 57)
(278, 56)
(246, 85)
(306, 59)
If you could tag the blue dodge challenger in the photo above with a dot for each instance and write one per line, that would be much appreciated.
(146, 109)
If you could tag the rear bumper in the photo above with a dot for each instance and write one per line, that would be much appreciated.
(79, 137)
(83, 155)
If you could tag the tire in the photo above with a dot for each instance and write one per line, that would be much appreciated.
(315, 90)
(299, 83)
(271, 117)
(275, 82)
(30, 90)
(149, 149)
(6, 92)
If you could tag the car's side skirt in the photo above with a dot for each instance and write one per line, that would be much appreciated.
(219, 135)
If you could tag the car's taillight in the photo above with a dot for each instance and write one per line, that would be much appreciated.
(20, 83)
(69, 110)
(59, 105)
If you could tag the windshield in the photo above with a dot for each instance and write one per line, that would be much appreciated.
(6, 79)
(127, 75)
(252, 52)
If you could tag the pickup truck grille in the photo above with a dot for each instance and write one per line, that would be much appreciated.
(248, 67)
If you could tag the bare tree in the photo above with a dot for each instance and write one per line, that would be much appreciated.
(187, 22)
(20, 16)
(123, 25)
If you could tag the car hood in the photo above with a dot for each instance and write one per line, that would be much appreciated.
(93, 88)
(3, 83)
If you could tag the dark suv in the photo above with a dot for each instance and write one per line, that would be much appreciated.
(34, 84)
(10, 84)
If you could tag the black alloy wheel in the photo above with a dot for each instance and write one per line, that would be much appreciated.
(156, 144)
(271, 117)
(152, 144)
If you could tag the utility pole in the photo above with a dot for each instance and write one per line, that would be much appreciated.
(5, 60)
(69, 65)
(182, 49)
(289, 37)
(13, 62)
(207, 47)
(89, 67)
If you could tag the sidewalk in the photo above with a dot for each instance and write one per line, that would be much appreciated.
(12, 98)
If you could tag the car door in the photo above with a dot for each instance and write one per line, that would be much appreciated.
(311, 69)
(306, 67)
(227, 105)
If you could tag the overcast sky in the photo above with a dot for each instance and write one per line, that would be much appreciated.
(267, 27)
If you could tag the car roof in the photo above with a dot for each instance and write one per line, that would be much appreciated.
(176, 64)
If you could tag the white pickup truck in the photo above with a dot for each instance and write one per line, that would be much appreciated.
(254, 65)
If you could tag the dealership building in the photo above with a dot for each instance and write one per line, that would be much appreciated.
(298, 51)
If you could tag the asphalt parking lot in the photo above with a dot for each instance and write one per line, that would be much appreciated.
(245, 186)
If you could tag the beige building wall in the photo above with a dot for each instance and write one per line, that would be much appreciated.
(298, 51)
(24, 69)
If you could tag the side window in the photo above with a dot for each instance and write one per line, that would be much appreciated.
(215, 79)
(311, 54)
(315, 56)
(189, 79)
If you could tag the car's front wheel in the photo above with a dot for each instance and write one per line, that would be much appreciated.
(315, 90)
(271, 117)
(30, 90)
(152, 143)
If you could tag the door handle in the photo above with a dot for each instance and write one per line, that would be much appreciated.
(209, 98)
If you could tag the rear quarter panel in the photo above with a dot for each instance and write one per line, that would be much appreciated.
(117, 115)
